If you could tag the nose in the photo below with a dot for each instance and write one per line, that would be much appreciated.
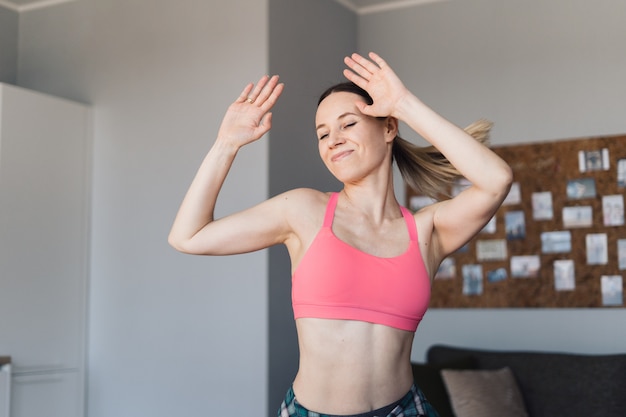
(335, 138)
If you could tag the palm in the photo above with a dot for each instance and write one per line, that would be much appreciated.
(249, 117)
(379, 80)
(243, 123)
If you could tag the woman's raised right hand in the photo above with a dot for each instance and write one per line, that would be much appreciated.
(249, 117)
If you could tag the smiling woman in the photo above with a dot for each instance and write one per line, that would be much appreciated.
(347, 135)
(362, 264)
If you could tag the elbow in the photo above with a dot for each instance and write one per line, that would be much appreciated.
(503, 180)
(176, 243)
(506, 175)
(190, 246)
(173, 242)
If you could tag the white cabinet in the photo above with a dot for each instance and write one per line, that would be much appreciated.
(5, 386)
(47, 394)
(44, 210)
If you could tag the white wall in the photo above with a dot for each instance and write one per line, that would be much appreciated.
(541, 70)
(170, 334)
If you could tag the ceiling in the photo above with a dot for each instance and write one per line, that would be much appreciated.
(373, 6)
(25, 5)
(357, 6)
(21, 2)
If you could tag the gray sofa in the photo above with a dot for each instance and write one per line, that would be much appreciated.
(551, 384)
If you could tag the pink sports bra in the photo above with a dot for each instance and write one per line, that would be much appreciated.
(337, 281)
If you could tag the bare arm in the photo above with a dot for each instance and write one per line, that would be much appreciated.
(195, 229)
(457, 220)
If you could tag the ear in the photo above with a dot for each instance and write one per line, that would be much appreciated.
(391, 128)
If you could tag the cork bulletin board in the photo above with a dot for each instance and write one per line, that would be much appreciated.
(558, 240)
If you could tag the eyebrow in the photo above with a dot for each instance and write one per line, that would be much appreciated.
(338, 118)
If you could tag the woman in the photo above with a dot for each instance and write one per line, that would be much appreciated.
(362, 264)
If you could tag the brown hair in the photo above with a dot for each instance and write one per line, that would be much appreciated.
(423, 168)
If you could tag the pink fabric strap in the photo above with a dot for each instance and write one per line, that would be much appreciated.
(330, 210)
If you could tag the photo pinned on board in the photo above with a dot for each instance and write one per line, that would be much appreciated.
(579, 216)
(597, 249)
(613, 210)
(556, 242)
(621, 173)
(515, 225)
(612, 290)
(527, 266)
(497, 275)
(491, 250)
(581, 188)
(542, 205)
(596, 160)
(472, 279)
(564, 278)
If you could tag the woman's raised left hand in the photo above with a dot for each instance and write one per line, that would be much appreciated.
(376, 77)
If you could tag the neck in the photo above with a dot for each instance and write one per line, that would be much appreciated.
(377, 202)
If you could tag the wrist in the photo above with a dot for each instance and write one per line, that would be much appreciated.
(221, 154)
(225, 146)
(407, 106)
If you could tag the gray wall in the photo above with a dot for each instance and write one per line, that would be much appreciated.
(169, 334)
(541, 70)
(308, 40)
(8, 45)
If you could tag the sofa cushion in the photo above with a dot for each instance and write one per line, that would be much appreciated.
(484, 393)
(555, 384)
(428, 378)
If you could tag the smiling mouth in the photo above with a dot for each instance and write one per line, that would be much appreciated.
(340, 155)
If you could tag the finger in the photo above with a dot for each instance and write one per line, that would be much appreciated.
(264, 126)
(358, 80)
(357, 67)
(252, 96)
(377, 59)
(244, 94)
(368, 65)
(273, 97)
(266, 122)
(267, 90)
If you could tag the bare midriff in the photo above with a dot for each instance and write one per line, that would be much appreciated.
(350, 367)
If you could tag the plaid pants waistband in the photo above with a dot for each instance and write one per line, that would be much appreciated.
(413, 404)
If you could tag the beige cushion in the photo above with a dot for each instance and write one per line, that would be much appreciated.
(484, 393)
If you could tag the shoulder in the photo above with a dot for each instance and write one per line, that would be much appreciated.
(300, 198)
(303, 195)
(303, 209)
(301, 204)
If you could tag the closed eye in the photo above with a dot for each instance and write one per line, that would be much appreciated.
(343, 127)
